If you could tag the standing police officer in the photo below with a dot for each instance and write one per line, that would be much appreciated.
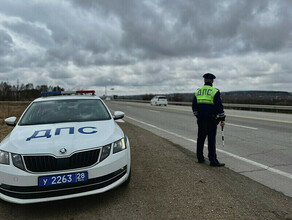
(207, 107)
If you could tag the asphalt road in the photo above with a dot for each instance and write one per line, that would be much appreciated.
(257, 144)
(166, 183)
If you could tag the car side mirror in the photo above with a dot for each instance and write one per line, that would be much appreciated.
(118, 115)
(11, 121)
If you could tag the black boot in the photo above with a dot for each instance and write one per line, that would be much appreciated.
(201, 159)
(216, 163)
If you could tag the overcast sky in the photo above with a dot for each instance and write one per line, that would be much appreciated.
(151, 46)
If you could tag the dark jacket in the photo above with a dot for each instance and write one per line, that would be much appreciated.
(215, 110)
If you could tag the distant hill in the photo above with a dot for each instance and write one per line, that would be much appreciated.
(258, 97)
(239, 97)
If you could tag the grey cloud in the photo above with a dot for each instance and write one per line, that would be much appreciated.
(6, 43)
(59, 74)
(31, 32)
(151, 43)
(106, 81)
(4, 68)
(83, 58)
(200, 28)
(72, 33)
(159, 30)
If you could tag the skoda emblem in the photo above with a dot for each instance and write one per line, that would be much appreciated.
(63, 150)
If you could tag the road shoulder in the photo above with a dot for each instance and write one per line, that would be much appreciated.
(166, 183)
(186, 189)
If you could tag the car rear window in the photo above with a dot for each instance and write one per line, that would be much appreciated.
(59, 111)
(162, 97)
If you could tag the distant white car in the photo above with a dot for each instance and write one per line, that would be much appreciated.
(159, 100)
(63, 147)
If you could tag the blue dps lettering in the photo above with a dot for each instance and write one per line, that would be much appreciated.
(81, 130)
(46, 133)
(35, 134)
(58, 130)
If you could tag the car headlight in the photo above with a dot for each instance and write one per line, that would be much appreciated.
(4, 157)
(106, 150)
(17, 161)
(119, 146)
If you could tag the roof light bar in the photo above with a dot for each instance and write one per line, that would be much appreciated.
(68, 92)
(51, 93)
(79, 92)
(86, 91)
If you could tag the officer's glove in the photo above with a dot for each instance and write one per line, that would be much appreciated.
(222, 124)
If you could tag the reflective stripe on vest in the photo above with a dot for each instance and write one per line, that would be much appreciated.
(206, 94)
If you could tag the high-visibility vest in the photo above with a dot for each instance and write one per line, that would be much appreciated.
(206, 94)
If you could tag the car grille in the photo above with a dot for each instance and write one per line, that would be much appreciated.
(50, 163)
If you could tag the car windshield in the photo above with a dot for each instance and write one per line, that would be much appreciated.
(57, 111)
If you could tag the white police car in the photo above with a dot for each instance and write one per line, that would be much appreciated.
(63, 147)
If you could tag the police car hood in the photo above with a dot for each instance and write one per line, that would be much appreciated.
(50, 138)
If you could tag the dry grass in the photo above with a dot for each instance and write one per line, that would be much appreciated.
(8, 109)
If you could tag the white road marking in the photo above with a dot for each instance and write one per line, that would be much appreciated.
(241, 126)
(279, 172)
(153, 111)
(256, 118)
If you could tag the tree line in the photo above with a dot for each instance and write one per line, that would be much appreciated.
(23, 92)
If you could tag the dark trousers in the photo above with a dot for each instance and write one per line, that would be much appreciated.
(207, 126)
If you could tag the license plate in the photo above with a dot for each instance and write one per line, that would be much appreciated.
(62, 179)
